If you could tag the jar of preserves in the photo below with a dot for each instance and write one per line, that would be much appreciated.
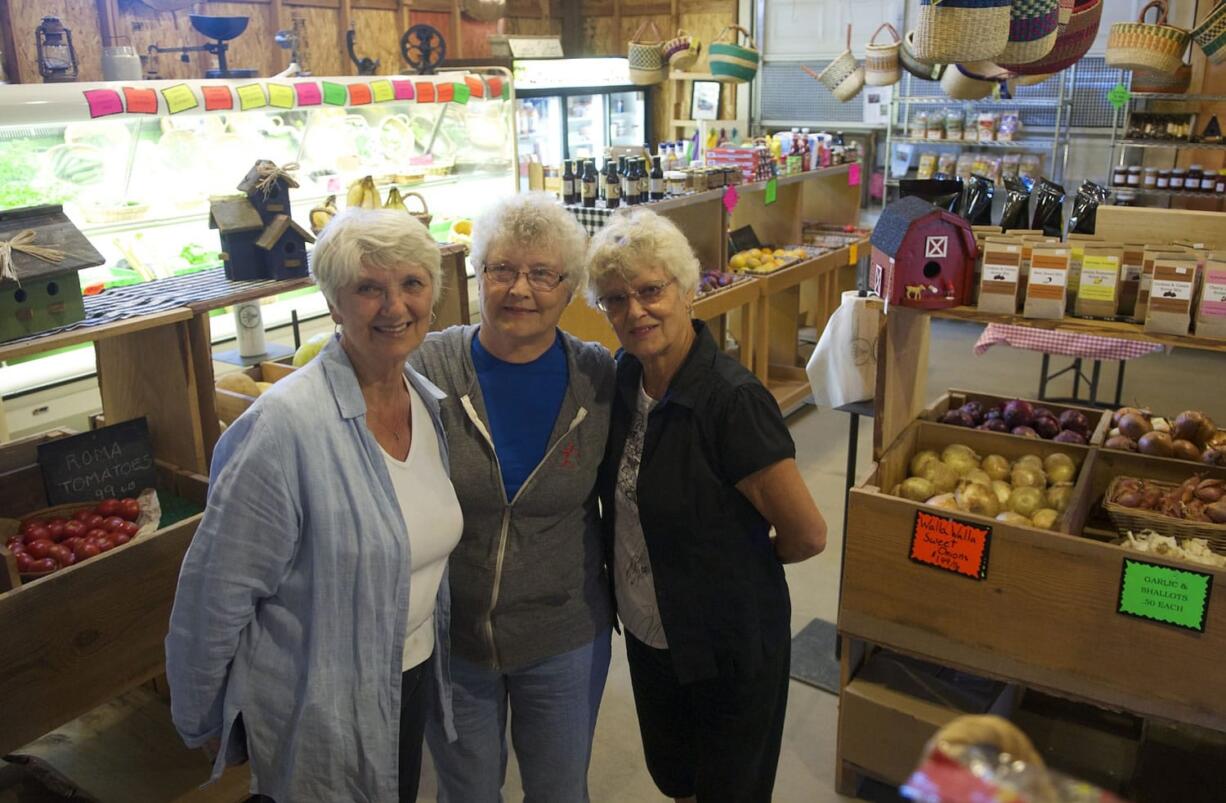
(1119, 176)
(1164, 179)
(675, 181)
(715, 178)
(1191, 180)
(1149, 180)
(1220, 185)
(1208, 181)
(1134, 176)
(1177, 179)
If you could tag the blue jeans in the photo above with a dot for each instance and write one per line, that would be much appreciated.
(553, 718)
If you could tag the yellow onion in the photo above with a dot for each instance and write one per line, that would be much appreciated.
(1027, 477)
(978, 475)
(1016, 519)
(978, 499)
(1026, 500)
(1045, 518)
(943, 478)
(996, 467)
(959, 448)
(917, 489)
(921, 459)
(960, 462)
(944, 501)
(1032, 460)
(1058, 496)
(1003, 491)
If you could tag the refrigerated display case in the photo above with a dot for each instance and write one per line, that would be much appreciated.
(135, 166)
(578, 108)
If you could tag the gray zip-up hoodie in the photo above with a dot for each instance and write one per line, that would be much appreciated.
(528, 579)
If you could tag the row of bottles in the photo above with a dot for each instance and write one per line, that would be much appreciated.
(629, 180)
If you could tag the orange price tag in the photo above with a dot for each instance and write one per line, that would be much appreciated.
(141, 101)
(949, 544)
(359, 94)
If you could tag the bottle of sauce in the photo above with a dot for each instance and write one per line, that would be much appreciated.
(568, 184)
(657, 180)
(588, 189)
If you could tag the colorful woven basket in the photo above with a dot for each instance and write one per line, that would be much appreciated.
(1033, 26)
(1211, 34)
(1071, 45)
(1169, 83)
(950, 31)
(733, 60)
(1140, 45)
(922, 70)
(682, 50)
(844, 77)
(881, 67)
(646, 57)
(1066, 14)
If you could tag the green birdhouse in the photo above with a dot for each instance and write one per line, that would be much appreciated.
(40, 289)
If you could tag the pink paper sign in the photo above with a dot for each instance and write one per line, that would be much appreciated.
(403, 90)
(731, 198)
(308, 94)
(103, 102)
(853, 174)
(1213, 300)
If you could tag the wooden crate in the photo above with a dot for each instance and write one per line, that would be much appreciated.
(230, 405)
(1045, 614)
(1100, 420)
(87, 633)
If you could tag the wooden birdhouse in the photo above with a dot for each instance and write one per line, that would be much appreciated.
(922, 256)
(240, 226)
(46, 251)
(283, 243)
(267, 187)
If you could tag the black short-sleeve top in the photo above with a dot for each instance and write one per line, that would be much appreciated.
(721, 590)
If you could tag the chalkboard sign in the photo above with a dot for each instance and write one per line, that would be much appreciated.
(111, 462)
(743, 239)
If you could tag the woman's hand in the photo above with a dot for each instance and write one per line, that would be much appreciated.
(779, 493)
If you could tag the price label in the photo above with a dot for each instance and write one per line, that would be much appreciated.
(1213, 299)
(1178, 291)
(731, 198)
(403, 90)
(475, 86)
(359, 94)
(772, 192)
(382, 91)
(1099, 275)
(1119, 96)
(103, 102)
(1176, 597)
(445, 93)
(496, 87)
(853, 174)
(955, 546)
(1000, 273)
(217, 98)
(140, 101)
(280, 96)
(308, 93)
(1049, 277)
(425, 92)
(251, 96)
(460, 93)
(335, 94)
(179, 98)
(853, 254)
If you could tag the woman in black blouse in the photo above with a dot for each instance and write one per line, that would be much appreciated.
(700, 468)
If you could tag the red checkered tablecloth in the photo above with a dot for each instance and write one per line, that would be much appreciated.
(1069, 344)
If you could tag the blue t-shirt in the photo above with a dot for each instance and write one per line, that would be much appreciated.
(522, 401)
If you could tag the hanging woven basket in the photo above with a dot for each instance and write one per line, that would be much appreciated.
(732, 60)
(1033, 28)
(952, 31)
(844, 77)
(1210, 35)
(975, 81)
(1141, 45)
(1071, 45)
(920, 69)
(881, 65)
(646, 56)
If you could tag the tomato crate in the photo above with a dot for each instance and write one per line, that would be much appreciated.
(231, 404)
(1046, 610)
(1100, 420)
(88, 632)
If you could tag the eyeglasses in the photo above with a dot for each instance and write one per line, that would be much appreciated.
(648, 295)
(539, 277)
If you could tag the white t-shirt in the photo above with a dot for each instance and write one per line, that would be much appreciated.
(432, 514)
(636, 591)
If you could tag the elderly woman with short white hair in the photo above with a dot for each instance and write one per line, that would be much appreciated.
(700, 468)
(309, 630)
(527, 416)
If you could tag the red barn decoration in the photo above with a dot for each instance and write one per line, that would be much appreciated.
(922, 257)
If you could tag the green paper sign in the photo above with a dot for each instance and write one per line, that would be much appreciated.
(506, 91)
(461, 93)
(1175, 596)
(772, 190)
(1119, 96)
(335, 94)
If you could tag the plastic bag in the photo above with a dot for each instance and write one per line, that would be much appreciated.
(1085, 208)
(945, 193)
(843, 368)
(1049, 208)
(1017, 203)
(977, 201)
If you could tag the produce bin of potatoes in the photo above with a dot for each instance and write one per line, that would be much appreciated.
(81, 635)
(1045, 613)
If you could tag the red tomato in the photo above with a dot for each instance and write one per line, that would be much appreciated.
(129, 508)
(40, 549)
(14, 542)
(71, 543)
(113, 524)
(82, 514)
(63, 555)
(27, 524)
(86, 549)
(120, 538)
(56, 528)
(129, 529)
(107, 543)
(43, 565)
(94, 520)
(108, 507)
(74, 529)
(95, 533)
(36, 533)
(25, 563)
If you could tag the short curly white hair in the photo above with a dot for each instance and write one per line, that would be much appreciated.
(636, 240)
(379, 238)
(532, 220)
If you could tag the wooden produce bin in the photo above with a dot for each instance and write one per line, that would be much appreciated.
(231, 404)
(1100, 421)
(1045, 615)
(77, 638)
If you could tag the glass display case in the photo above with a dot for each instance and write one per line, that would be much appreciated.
(135, 166)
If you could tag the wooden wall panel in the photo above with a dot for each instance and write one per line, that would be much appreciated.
(324, 54)
(601, 38)
(144, 27)
(378, 37)
(79, 16)
(476, 37)
(534, 25)
(255, 49)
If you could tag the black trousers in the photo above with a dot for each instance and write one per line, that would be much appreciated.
(717, 739)
(416, 700)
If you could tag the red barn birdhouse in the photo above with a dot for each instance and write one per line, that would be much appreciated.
(922, 257)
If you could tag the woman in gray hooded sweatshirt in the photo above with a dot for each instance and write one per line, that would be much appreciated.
(527, 417)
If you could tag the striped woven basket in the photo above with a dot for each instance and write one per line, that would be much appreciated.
(646, 57)
(922, 70)
(1140, 45)
(1211, 34)
(950, 31)
(881, 66)
(975, 81)
(1066, 14)
(1071, 45)
(1169, 83)
(844, 77)
(1032, 31)
(732, 60)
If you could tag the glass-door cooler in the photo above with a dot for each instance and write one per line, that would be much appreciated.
(578, 109)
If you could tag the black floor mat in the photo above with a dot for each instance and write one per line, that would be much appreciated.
(813, 660)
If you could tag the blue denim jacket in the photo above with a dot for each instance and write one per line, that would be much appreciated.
(293, 597)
